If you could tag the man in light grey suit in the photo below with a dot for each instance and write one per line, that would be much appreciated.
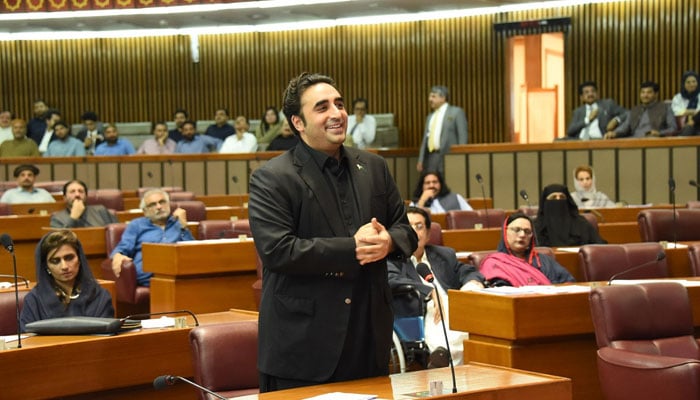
(444, 127)
(595, 117)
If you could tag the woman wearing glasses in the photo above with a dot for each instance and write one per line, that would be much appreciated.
(517, 262)
(65, 285)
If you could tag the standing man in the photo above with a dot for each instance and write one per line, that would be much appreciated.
(77, 213)
(445, 126)
(43, 139)
(25, 192)
(325, 218)
(179, 117)
(156, 226)
(595, 117)
(37, 125)
(650, 118)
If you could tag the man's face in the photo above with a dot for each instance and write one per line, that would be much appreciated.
(589, 95)
(90, 125)
(19, 129)
(52, 121)
(160, 131)
(323, 118)
(111, 135)
(5, 119)
(417, 222)
(285, 130)
(25, 179)
(647, 95)
(436, 100)
(431, 182)
(40, 108)
(220, 117)
(360, 109)
(242, 125)
(188, 131)
(179, 119)
(60, 131)
(157, 208)
(74, 191)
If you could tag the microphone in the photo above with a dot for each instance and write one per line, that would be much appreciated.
(525, 197)
(480, 179)
(164, 381)
(6, 241)
(660, 256)
(142, 316)
(672, 195)
(25, 280)
(693, 183)
(427, 274)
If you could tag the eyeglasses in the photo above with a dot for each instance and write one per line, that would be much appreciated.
(418, 227)
(161, 203)
(518, 230)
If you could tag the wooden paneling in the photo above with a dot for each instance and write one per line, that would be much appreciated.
(618, 44)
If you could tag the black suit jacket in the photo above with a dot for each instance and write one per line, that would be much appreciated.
(310, 264)
(607, 110)
(450, 272)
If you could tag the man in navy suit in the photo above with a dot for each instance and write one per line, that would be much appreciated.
(595, 118)
(446, 126)
(324, 217)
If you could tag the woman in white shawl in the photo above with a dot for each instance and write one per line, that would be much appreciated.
(586, 195)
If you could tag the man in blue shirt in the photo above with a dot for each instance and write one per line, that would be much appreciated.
(193, 143)
(65, 144)
(156, 226)
(221, 128)
(112, 145)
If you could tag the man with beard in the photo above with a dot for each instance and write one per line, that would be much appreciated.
(113, 146)
(21, 145)
(156, 226)
(77, 214)
(25, 192)
(179, 117)
(193, 143)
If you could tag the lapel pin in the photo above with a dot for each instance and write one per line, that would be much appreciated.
(360, 167)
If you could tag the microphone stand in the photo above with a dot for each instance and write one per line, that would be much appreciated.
(168, 380)
(447, 340)
(672, 190)
(480, 179)
(7, 243)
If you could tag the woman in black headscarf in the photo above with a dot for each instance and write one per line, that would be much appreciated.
(558, 222)
(65, 285)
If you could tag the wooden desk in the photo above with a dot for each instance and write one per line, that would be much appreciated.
(552, 334)
(217, 212)
(474, 382)
(37, 208)
(202, 275)
(623, 214)
(25, 231)
(233, 200)
(104, 367)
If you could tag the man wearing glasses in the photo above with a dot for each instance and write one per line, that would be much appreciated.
(362, 128)
(156, 226)
(449, 273)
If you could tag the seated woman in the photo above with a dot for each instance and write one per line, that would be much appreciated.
(586, 195)
(558, 222)
(65, 285)
(517, 262)
(685, 103)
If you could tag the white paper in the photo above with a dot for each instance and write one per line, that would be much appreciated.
(162, 322)
(539, 289)
(343, 396)
(568, 249)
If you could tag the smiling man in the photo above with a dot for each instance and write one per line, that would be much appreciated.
(325, 218)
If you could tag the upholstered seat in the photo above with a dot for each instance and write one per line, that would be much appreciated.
(462, 219)
(223, 228)
(601, 261)
(658, 225)
(131, 298)
(224, 357)
(181, 196)
(694, 256)
(8, 310)
(435, 234)
(646, 347)
(196, 210)
(112, 199)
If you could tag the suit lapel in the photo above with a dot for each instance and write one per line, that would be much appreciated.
(361, 180)
(314, 179)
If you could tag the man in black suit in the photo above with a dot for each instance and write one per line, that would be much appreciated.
(595, 117)
(325, 218)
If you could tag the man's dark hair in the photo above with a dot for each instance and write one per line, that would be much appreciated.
(419, 186)
(225, 110)
(421, 211)
(291, 101)
(650, 84)
(360, 100)
(78, 181)
(585, 85)
(190, 122)
(48, 114)
(89, 115)
(181, 111)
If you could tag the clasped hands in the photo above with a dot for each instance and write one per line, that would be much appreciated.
(372, 242)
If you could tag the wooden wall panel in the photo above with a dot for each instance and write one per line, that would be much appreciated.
(393, 65)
